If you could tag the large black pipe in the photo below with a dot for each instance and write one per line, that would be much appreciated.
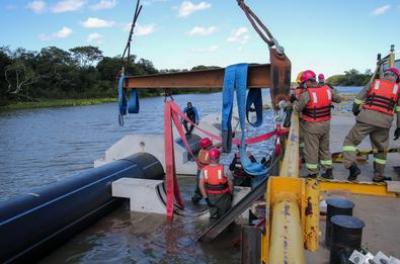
(33, 224)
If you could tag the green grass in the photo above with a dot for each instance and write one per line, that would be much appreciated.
(55, 103)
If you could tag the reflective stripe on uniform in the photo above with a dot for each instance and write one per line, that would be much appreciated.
(329, 94)
(311, 166)
(380, 161)
(358, 101)
(326, 162)
(219, 174)
(377, 84)
(349, 149)
(315, 98)
(395, 89)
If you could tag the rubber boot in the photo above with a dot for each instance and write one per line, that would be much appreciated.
(378, 177)
(312, 176)
(327, 174)
(354, 172)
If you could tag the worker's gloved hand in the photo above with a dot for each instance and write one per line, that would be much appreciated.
(356, 109)
(293, 98)
(209, 203)
(397, 133)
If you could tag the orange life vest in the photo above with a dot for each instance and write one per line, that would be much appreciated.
(319, 107)
(215, 179)
(382, 97)
(298, 92)
(203, 158)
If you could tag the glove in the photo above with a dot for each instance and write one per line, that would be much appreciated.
(209, 204)
(356, 109)
(397, 133)
(293, 98)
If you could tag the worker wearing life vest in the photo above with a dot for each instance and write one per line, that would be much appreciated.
(315, 108)
(374, 108)
(203, 159)
(298, 91)
(216, 186)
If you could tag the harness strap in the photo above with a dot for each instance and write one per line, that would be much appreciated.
(254, 97)
(133, 103)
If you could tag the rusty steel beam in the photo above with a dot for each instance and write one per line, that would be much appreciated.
(259, 77)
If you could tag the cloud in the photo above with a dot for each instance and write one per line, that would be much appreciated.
(94, 22)
(150, 2)
(37, 6)
(188, 8)
(210, 49)
(63, 33)
(202, 31)
(239, 35)
(95, 38)
(380, 10)
(104, 4)
(141, 30)
(68, 6)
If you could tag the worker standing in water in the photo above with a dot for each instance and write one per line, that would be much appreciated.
(374, 108)
(315, 108)
(192, 113)
(216, 186)
(203, 159)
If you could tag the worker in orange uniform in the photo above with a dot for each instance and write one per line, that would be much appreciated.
(374, 108)
(216, 186)
(315, 108)
(203, 159)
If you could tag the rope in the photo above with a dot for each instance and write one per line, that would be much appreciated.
(259, 27)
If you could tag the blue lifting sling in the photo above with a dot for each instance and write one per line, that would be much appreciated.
(236, 80)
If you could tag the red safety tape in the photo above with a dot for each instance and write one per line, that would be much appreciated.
(278, 131)
(172, 187)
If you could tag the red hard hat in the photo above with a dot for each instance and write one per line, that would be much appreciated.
(307, 75)
(214, 154)
(205, 142)
(321, 76)
(395, 71)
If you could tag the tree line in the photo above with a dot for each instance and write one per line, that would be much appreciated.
(350, 78)
(84, 72)
(78, 73)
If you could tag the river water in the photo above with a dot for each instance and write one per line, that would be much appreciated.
(40, 146)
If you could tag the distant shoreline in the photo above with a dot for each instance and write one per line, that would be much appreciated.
(55, 103)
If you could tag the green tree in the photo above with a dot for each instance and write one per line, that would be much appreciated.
(86, 56)
(19, 77)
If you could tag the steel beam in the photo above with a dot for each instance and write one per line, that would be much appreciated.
(259, 77)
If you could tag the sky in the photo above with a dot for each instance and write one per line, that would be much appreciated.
(328, 36)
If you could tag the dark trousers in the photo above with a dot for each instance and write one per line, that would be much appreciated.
(188, 128)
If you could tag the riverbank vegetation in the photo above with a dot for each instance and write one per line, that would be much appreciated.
(350, 78)
(57, 77)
